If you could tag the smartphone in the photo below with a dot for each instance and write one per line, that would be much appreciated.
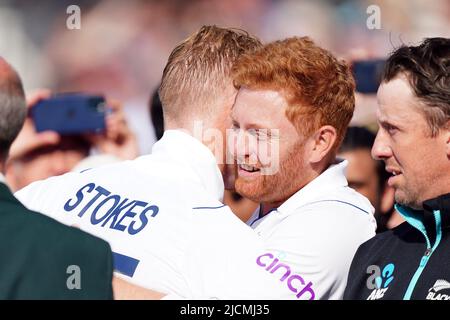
(70, 113)
(367, 75)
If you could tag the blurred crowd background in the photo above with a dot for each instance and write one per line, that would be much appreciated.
(122, 46)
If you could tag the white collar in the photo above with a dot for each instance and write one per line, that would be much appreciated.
(330, 179)
(187, 150)
(2, 178)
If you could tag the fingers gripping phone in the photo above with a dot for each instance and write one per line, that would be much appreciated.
(70, 113)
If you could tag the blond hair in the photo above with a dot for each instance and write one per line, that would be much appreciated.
(197, 73)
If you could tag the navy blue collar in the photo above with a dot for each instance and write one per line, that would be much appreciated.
(441, 203)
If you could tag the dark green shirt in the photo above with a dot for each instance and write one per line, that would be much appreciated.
(41, 258)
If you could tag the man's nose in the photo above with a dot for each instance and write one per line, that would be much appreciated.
(239, 144)
(381, 149)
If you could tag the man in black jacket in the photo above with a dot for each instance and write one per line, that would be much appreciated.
(412, 261)
(41, 258)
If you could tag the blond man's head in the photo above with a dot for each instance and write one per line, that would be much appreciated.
(196, 81)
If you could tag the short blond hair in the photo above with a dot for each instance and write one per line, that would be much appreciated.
(199, 70)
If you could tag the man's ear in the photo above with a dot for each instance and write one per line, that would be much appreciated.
(324, 140)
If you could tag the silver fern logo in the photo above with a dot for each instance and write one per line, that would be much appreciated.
(439, 285)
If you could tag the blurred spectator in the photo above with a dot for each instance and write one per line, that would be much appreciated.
(368, 176)
(36, 156)
(39, 253)
(18, 46)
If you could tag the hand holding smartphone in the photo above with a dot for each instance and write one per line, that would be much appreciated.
(70, 113)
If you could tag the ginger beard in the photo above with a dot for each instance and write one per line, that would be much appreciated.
(279, 186)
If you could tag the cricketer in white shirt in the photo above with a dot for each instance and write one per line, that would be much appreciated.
(163, 218)
(317, 231)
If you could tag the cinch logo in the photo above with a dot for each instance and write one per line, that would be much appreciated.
(379, 281)
(272, 264)
(439, 285)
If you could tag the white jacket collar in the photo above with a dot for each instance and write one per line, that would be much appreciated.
(188, 151)
(315, 190)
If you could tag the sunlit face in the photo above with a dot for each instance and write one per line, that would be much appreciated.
(415, 159)
(268, 149)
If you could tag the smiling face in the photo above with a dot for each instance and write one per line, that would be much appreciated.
(418, 162)
(295, 99)
(269, 151)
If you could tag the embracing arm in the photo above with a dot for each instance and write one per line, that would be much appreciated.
(124, 290)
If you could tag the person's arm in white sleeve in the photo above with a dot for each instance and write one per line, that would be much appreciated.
(45, 196)
(222, 260)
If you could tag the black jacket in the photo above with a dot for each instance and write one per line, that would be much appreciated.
(40, 258)
(411, 261)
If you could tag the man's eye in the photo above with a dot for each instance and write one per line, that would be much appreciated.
(390, 128)
(262, 134)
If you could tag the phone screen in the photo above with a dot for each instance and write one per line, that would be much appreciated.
(70, 114)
